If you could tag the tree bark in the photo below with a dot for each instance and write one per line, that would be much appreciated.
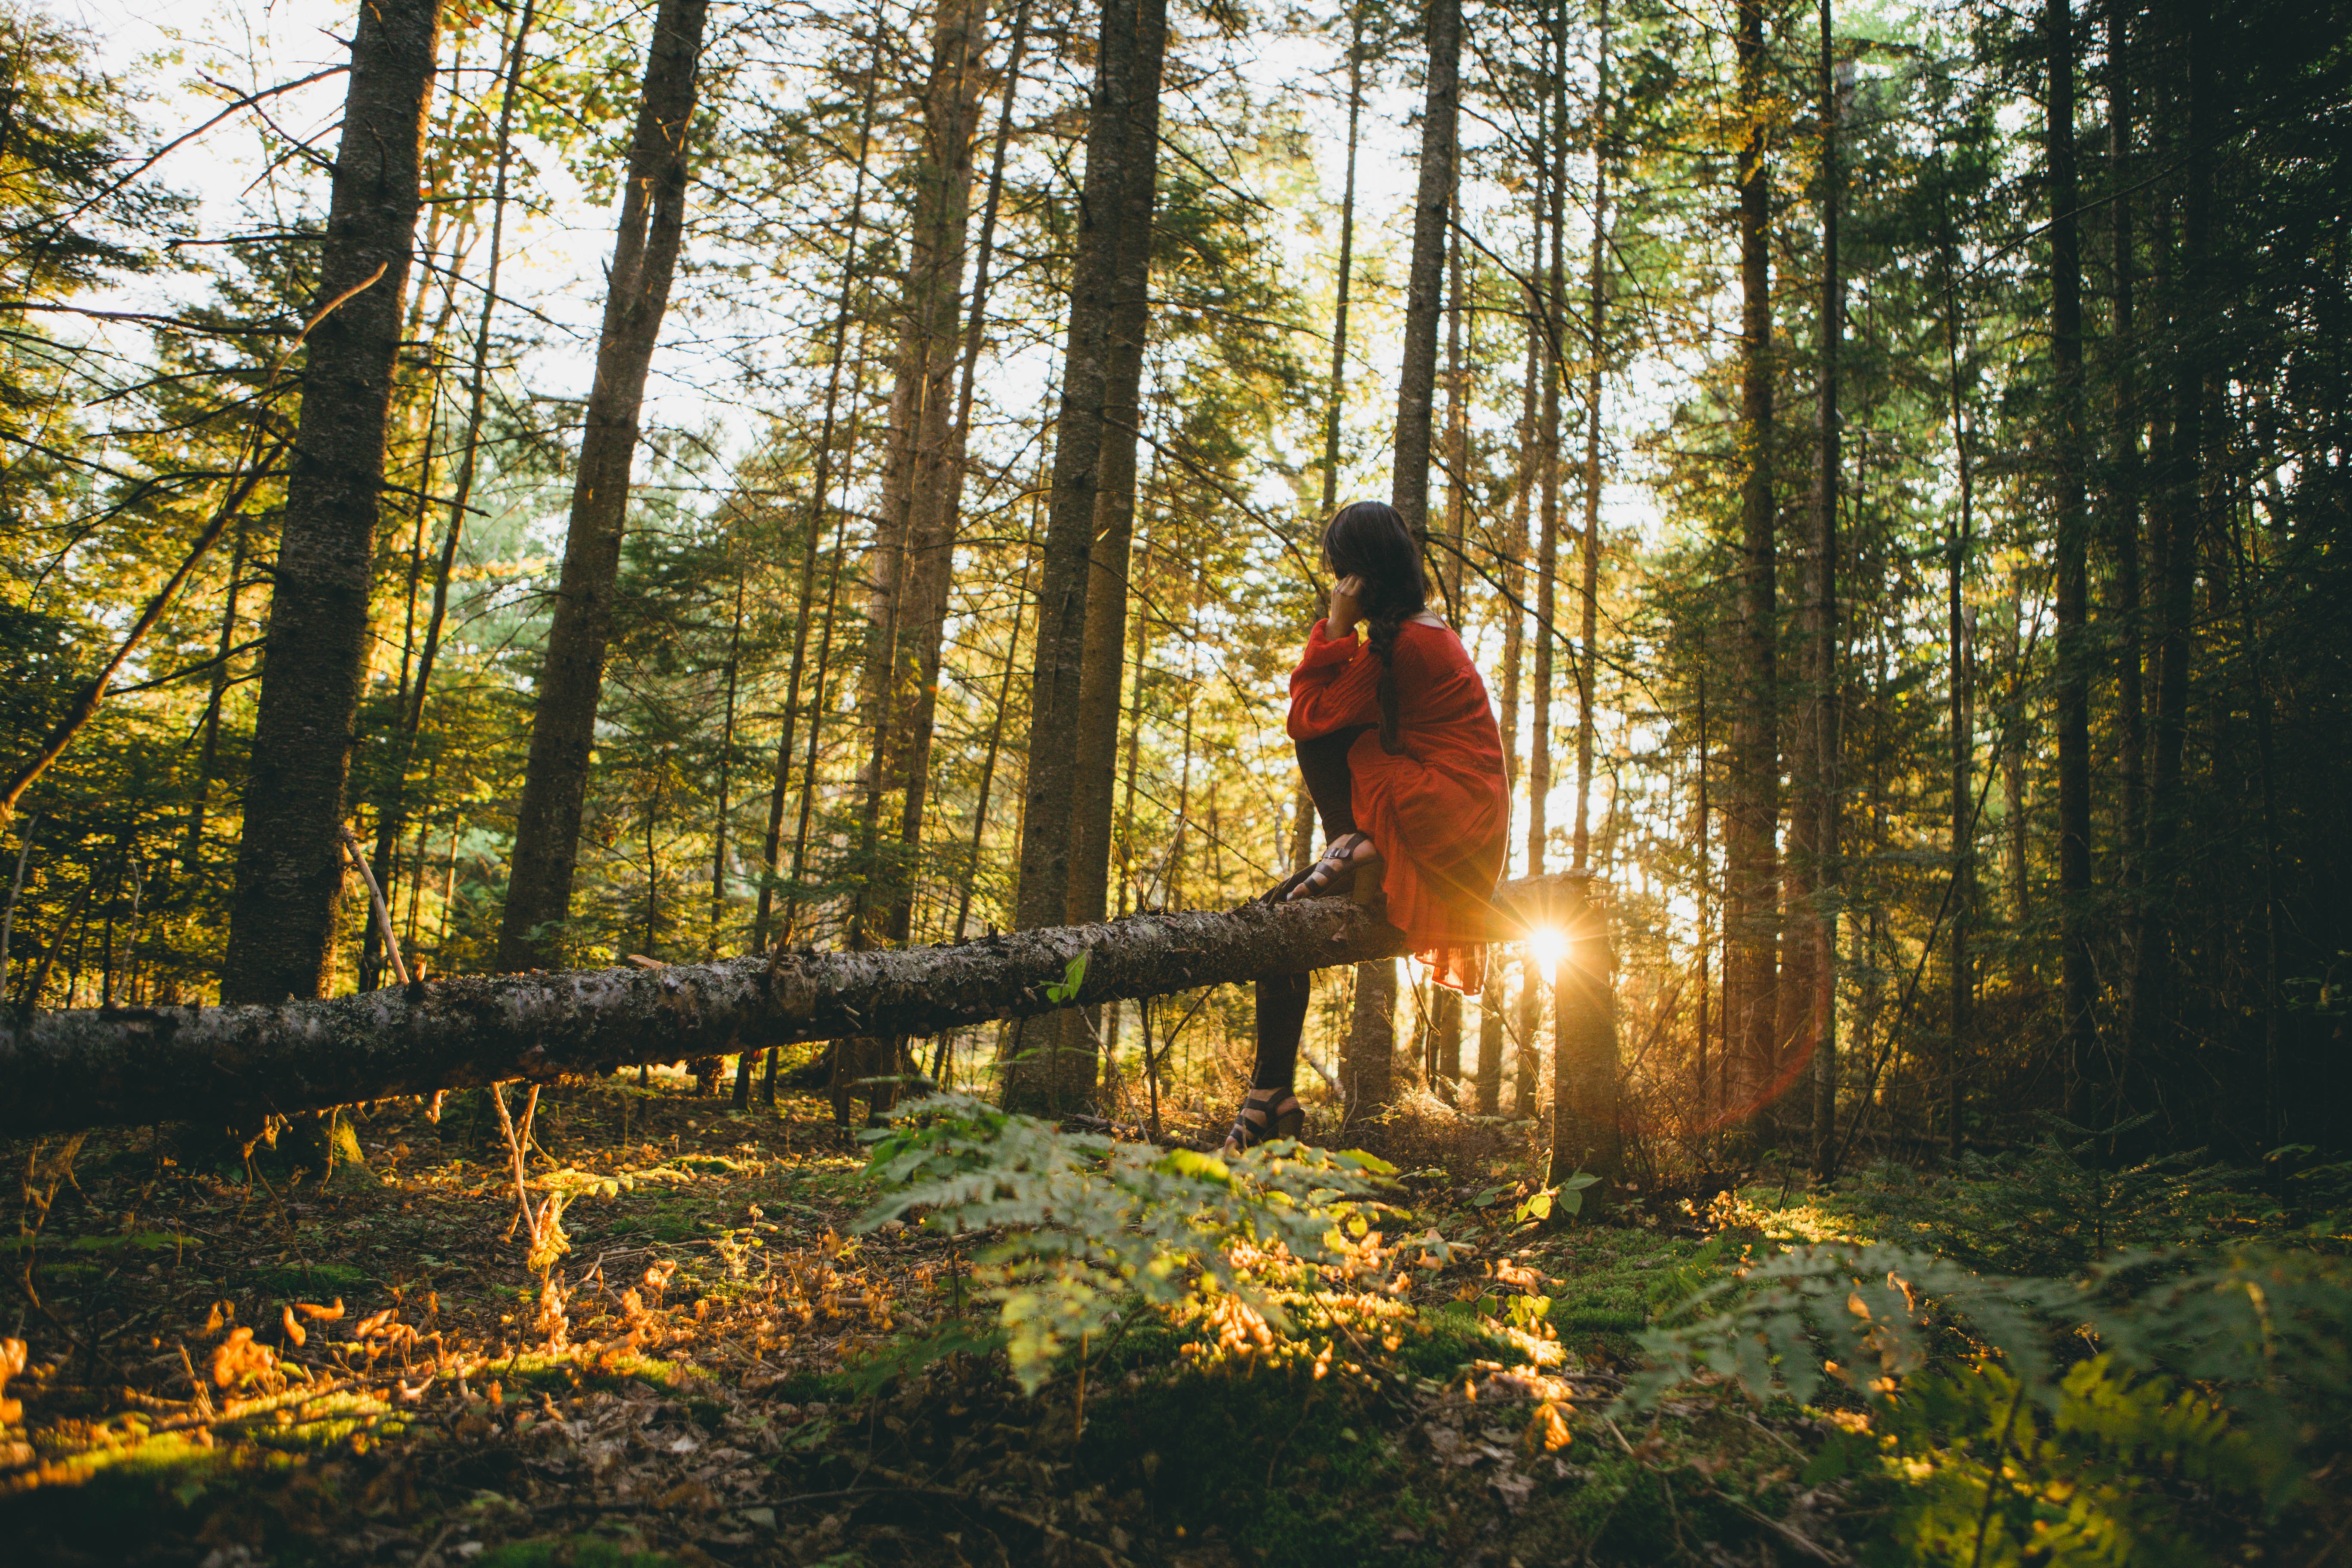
(1751, 819)
(1585, 1135)
(2182, 503)
(126, 1066)
(820, 488)
(289, 867)
(563, 728)
(1588, 552)
(1584, 1050)
(1433, 207)
(2077, 980)
(1822, 644)
(934, 560)
(1104, 653)
(2123, 487)
(1962, 720)
(1125, 98)
(903, 665)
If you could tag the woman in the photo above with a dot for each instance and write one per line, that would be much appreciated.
(1399, 748)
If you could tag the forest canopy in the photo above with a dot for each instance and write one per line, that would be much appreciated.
(1897, 526)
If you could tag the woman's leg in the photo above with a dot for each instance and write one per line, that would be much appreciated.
(1270, 1110)
(1281, 1020)
(1323, 764)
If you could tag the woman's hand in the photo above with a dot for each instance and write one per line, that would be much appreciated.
(1347, 607)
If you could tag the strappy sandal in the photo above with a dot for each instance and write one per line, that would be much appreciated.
(1339, 873)
(1265, 1115)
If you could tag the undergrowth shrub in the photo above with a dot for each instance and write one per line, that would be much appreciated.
(1095, 1232)
(2040, 1420)
(2065, 1202)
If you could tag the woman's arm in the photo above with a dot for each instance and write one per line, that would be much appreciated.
(1334, 686)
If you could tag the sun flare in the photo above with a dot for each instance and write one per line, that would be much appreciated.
(1548, 946)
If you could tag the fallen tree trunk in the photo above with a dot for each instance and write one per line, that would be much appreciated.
(91, 1066)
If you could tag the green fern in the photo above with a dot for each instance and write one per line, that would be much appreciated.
(2012, 1444)
(1093, 1228)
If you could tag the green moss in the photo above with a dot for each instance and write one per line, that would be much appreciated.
(310, 1278)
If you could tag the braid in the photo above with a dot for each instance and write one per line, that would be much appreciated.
(1383, 623)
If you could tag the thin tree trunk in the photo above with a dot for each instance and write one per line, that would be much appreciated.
(1705, 915)
(289, 869)
(995, 737)
(2077, 981)
(1751, 822)
(1433, 208)
(1372, 1035)
(1963, 707)
(1110, 269)
(920, 482)
(2124, 489)
(461, 493)
(1584, 1064)
(1822, 639)
(1491, 1007)
(1335, 401)
(1597, 310)
(563, 725)
(1104, 656)
(934, 559)
(1552, 177)
(823, 658)
(726, 767)
(820, 488)
(391, 813)
(2176, 606)
(208, 754)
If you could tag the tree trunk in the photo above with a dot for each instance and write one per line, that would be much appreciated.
(918, 565)
(1126, 98)
(1752, 817)
(1554, 313)
(70, 1069)
(2182, 503)
(2077, 981)
(1585, 1135)
(820, 488)
(1104, 653)
(1962, 699)
(1367, 1068)
(934, 559)
(2124, 491)
(1822, 644)
(289, 869)
(1433, 207)
(1371, 1041)
(563, 727)
(1596, 313)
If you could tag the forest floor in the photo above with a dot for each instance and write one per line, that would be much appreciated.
(243, 1366)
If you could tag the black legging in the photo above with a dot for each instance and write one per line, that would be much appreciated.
(1282, 1000)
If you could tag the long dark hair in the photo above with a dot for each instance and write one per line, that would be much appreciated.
(1368, 539)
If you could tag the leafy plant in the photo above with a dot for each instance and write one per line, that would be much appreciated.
(1094, 1228)
(2008, 1437)
(2058, 1207)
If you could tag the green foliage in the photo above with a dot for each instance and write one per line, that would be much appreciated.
(2059, 1206)
(2000, 1480)
(1094, 1228)
(2010, 1439)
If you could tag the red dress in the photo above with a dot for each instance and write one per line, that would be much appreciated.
(1440, 812)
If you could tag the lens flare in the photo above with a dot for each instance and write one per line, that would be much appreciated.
(1547, 947)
